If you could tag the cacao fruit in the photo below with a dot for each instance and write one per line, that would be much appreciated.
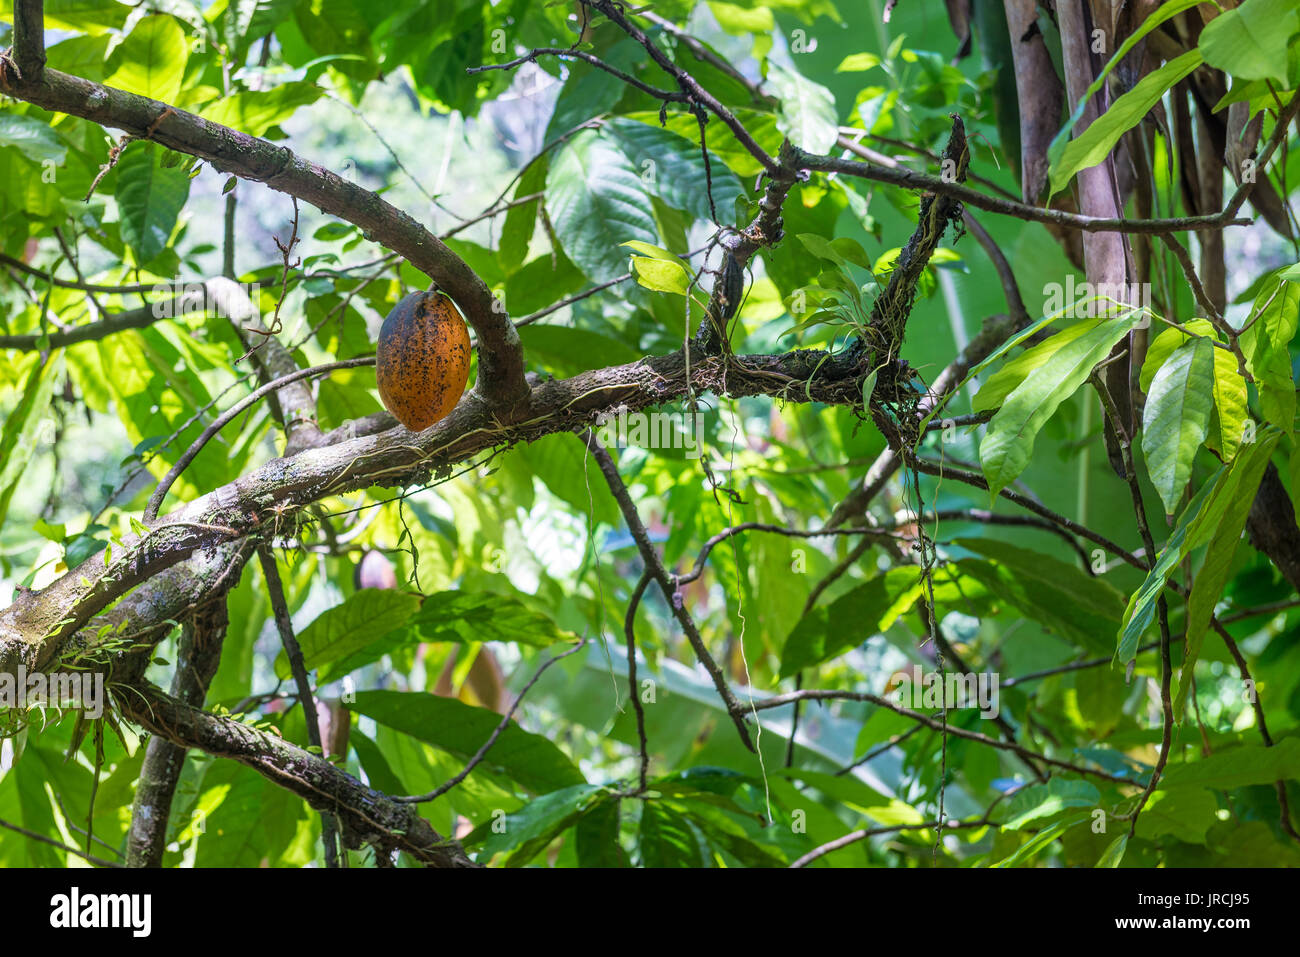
(422, 361)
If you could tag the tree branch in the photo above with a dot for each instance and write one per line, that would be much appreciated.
(501, 364)
(196, 664)
(367, 816)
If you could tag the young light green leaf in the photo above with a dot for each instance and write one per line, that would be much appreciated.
(22, 426)
(597, 200)
(1009, 442)
(460, 729)
(999, 385)
(1177, 418)
(661, 275)
(151, 60)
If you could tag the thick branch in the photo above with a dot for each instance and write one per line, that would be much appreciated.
(38, 623)
(29, 38)
(501, 365)
(196, 664)
(367, 816)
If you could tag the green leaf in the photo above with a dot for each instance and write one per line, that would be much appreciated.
(530, 829)
(1093, 145)
(659, 275)
(858, 62)
(1250, 42)
(256, 111)
(1216, 569)
(1238, 767)
(1195, 526)
(567, 351)
(1176, 418)
(150, 197)
(666, 838)
(34, 139)
(1040, 841)
(1029, 804)
(151, 60)
(807, 115)
(345, 631)
(1167, 10)
(521, 220)
(22, 431)
(1114, 852)
(597, 201)
(1009, 441)
(674, 168)
(1186, 813)
(456, 616)
(1267, 346)
(1003, 382)
(460, 729)
(849, 620)
(596, 837)
(1061, 597)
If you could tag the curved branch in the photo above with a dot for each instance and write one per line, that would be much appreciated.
(501, 363)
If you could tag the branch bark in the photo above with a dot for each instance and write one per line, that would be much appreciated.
(196, 664)
(366, 815)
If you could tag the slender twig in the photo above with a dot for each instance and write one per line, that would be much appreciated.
(481, 753)
(655, 566)
(280, 609)
(629, 632)
(99, 861)
(220, 422)
(822, 694)
(855, 836)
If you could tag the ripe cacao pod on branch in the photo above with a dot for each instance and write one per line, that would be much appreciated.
(422, 362)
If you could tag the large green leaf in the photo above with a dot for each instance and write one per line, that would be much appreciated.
(1009, 442)
(851, 619)
(22, 426)
(1003, 382)
(1250, 42)
(1044, 800)
(463, 617)
(597, 199)
(256, 111)
(1176, 418)
(1061, 597)
(1230, 487)
(1207, 588)
(151, 60)
(34, 139)
(150, 197)
(345, 631)
(532, 827)
(666, 838)
(1267, 346)
(1238, 767)
(460, 729)
(678, 167)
